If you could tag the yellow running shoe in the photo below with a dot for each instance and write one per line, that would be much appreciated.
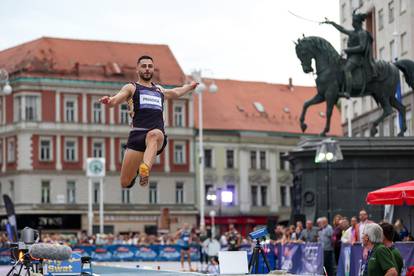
(143, 174)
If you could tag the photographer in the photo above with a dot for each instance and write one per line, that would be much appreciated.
(233, 238)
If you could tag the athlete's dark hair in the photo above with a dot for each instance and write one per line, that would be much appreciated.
(144, 57)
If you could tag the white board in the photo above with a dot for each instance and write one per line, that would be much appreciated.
(233, 262)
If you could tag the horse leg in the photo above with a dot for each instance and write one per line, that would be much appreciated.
(315, 100)
(386, 106)
(401, 109)
(330, 103)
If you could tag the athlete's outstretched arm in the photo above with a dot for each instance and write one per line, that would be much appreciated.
(177, 92)
(125, 92)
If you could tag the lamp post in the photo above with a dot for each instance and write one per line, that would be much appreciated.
(212, 197)
(328, 151)
(197, 76)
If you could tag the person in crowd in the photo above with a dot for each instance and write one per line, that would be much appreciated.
(279, 232)
(233, 238)
(402, 231)
(211, 248)
(310, 233)
(325, 235)
(380, 260)
(336, 236)
(298, 231)
(363, 221)
(389, 233)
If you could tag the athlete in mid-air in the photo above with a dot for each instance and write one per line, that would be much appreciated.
(147, 137)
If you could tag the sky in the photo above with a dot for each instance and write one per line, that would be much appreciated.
(227, 39)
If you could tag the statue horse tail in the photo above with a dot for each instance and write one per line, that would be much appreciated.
(407, 67)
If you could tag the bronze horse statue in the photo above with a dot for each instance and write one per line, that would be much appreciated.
(330, 80)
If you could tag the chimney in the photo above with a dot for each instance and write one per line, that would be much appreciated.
(290, 84)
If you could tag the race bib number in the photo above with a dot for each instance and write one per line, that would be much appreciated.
(150, 99)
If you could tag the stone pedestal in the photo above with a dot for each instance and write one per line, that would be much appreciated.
(368, 164)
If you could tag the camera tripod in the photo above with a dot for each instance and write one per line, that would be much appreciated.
(32, 267)
(254, 261)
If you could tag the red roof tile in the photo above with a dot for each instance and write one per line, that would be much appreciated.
(232, 108)
(89, 59)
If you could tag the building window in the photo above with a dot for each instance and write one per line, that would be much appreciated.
(125, 196)
(230, 159)
(380, 19)
(153, 192)
(179, 192)
(391, 11)
(263, 195)
(179, 154)
(11, 185)
(281, 161)
(122, 151)
(262, 160)
(178, 115)
(124, 114)
(208, 158)
(31, 109)
(404, 43)
(97, 150)
(11, 150)
(27, 108)
(96, 192)
(70, 151)
(70, 110)
(97, 113)
(45, 191)
(71, 192)
(45, 149)
(254, 195)
(283, 196)
(253, 162)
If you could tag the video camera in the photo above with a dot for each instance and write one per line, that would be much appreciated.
(259, 234)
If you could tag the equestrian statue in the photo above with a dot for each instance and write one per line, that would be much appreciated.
(358, 75)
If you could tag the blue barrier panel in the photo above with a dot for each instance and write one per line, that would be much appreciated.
(72, 266)
(5, 256)
(147, 253)
(101, 254)
(123, 253)
(169, 253)
(312, 258)
(351, 258)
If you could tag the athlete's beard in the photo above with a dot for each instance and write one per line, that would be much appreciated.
(142, 76)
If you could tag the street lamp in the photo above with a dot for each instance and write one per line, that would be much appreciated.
(6, 89)
(213, 224)
(328, 151)
(197, 76)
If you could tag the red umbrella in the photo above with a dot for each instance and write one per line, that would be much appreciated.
(397, 194)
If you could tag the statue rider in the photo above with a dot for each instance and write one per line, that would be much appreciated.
(359, 52)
